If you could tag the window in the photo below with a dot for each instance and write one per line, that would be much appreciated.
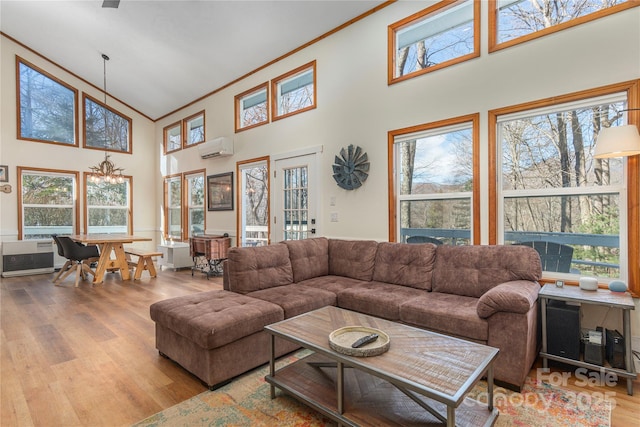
(551, 188)
(195, 199)
(173, 137)
(47, 107)
(47, 203)
(194, 129)
(436, 182)
(108, 207)
(294, 92)
(253, 229)
(252, 108)
(516, 21)
(437, 37)
(105, 128)
(173, 207)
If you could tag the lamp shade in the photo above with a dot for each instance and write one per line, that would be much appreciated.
(617, 141)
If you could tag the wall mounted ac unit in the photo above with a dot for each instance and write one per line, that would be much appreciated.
(218, 147)
(27, 257)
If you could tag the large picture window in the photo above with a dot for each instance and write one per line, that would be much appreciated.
(552, 189)
(516, 21)
(435, 182)
(108, 207)
(105, 128)
(47, 203)
(47, 107)
(294, 92)
(442, 35)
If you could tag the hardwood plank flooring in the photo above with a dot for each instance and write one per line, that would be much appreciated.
(86, 356)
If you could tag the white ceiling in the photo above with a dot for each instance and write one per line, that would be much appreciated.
(165, 54)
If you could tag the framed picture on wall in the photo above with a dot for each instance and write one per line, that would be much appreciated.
(4, 173)
(220, 192)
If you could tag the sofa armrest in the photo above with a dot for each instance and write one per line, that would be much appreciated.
(517, 296)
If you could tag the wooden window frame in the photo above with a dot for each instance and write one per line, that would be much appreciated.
(185, 200)
(50, 76)
(423, 14)
(274, 91)
(165, 133)
(165, 206)
(127, 178)
(112, 111)
(474, 120)
(185, 130)
(240, 199)
(632, 89)
(238, 107)
(76, 190)
(493, 24)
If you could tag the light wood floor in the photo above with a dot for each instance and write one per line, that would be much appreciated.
(86, 356)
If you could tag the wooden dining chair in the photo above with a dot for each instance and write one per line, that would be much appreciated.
(80, 257)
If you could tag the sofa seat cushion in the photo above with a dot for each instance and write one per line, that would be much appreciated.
(296, 299)
(377, 299)
(450, 314)
(214, 318)
(254, 268)
(403, 264)
(332, 283)
(352, 258)
(309, 257)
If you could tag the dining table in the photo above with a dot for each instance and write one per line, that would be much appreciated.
(110, 244)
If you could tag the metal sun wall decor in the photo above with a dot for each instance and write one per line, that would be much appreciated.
(351, 168)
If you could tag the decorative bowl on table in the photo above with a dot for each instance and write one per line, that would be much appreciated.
(341, 341)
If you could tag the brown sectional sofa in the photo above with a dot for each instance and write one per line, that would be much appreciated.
(487, 294)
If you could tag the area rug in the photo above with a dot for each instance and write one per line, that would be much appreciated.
(246, 402)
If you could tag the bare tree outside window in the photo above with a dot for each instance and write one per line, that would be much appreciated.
(47, 107)
(519, 18)
(255, 205)
(554, 187)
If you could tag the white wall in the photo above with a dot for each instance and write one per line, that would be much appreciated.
(355, 106)
(142, 165)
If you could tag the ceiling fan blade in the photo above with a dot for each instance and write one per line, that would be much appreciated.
(111, 3)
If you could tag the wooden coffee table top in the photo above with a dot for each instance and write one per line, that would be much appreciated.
(436, 365)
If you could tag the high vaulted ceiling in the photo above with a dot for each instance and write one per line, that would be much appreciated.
(166, 54)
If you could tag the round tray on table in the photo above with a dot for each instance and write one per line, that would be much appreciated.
(341, 339)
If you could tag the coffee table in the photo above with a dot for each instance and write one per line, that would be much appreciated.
(421, 380)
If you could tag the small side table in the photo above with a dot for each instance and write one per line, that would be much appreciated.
(175, 255)
(602, 297)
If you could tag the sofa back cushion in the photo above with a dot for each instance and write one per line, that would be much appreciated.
(261, 267)
(403, 264)
(473, 270)
(352, 258)
(309, 258)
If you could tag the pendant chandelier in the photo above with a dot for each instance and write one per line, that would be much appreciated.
(106, 171)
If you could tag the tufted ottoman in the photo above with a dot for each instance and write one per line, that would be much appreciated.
(215, 335)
